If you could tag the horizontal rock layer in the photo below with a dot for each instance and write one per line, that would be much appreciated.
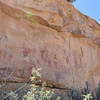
(52, 35)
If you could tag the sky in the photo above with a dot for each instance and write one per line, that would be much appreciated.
(90, 8)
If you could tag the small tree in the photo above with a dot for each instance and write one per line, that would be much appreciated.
(37, 92)
(71, 0)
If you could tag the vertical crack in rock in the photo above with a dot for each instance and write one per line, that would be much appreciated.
(81, 51)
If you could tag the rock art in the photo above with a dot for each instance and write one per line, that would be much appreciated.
(52, 35)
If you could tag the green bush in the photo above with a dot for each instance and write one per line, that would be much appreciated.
(37, 92)
(71, 0)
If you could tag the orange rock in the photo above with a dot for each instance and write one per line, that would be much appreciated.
(50, 34)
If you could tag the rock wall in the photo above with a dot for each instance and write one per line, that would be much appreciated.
(52, 35)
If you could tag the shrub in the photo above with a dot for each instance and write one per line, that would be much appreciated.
(37, 92)
(71, 0)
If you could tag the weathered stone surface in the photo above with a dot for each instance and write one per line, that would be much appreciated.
(50, 34)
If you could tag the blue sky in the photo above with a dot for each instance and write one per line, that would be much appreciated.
(89, 7)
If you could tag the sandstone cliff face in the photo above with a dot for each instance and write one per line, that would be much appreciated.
(52, 35)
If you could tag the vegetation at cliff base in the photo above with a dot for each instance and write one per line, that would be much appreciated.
(43, 92)
(71, 0)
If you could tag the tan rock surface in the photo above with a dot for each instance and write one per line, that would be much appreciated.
(50, 34)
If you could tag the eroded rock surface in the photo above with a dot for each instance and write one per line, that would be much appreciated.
(52, 35)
